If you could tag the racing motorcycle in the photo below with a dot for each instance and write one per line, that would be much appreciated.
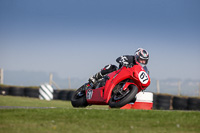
(115, 89)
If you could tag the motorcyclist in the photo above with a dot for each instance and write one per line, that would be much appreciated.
(141, 56)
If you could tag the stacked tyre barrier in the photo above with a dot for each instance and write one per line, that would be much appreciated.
(19, 91)
(62, 94)
(161, 102)
(65, 95)
(4, 90)
(169, 102)
(31, 92)
(16, 91)
(193, 104)
(55, 94)
(34, 92)
(179, 103)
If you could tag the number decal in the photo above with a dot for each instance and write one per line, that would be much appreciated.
(89, 94)
(143, 76)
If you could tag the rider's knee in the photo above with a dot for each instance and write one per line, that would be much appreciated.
(108, 69)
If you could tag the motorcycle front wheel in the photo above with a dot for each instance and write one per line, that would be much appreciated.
(78, 98)
(120, 99)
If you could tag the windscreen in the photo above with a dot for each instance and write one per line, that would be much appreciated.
(146, 69)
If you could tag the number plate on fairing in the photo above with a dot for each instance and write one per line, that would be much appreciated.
(89, 94)
(143, 76)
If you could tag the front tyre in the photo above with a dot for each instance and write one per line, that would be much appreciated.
(118, 100)
(78, 98)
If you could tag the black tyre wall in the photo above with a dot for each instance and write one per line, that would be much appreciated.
(154, 101)
(62, 95)
(56, 94)
(179, 103)
(69, 95)
(65, 95)
(31, 92)
(193, 104)
(4, 90)
(14, 91)
(163, 102)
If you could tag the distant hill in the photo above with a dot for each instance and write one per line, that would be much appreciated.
(31, 78)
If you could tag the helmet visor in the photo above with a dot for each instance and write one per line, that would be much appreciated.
(143, 61)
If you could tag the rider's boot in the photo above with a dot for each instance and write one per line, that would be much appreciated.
(86, 86)
(93, 80)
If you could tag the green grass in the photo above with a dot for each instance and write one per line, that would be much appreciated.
(94, 119)
(30, 102)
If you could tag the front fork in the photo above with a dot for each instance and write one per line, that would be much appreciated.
(126, 85)
(124, 88)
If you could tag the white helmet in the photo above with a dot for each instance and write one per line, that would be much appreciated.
(142, 56)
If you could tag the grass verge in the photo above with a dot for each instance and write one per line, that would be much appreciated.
(93, 119)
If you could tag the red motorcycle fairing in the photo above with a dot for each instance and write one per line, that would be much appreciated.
(96, 96)
(103, 94)
(140, 77)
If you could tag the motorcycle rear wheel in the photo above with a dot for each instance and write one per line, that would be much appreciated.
(125, 99)
(78, 98)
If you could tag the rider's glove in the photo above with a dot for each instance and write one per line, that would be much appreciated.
(128, 65)
(125, 63)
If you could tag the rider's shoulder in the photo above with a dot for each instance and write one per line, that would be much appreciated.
(127, 56)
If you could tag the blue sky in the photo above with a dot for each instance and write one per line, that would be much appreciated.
(76, 38)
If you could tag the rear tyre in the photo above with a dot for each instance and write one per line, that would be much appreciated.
(78, 98)
(118, 100)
